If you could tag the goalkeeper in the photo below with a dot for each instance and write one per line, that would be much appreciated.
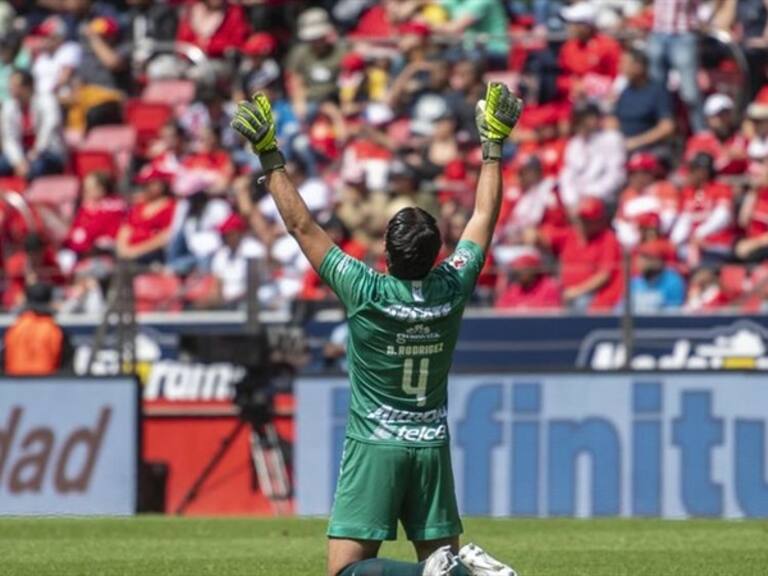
(403, 329)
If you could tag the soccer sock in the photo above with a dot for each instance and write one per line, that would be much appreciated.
(384, 567)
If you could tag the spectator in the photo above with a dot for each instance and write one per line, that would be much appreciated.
(30, 125)
(704, 291)
(12, 57)
(704, 230)
(258, 68)
(404, 191)
(533, 204)
(673, 44)
(594, 159)
(195, 237)
(229, 265)
(96, 222)
(589, 60)
(214, 26)
(590, 260)
(147, 21)
(644, 108)
(722, 139)
(646, 193)
(656, 286)
(466, 86)
(208, 163)
(101, 76)
(435, 145)
(35, 345)
(57, 60)
(530, 288)
(473, 19)
(146, 232)
(314, 64)
(757, 112)
(753, 218)
(545, 142)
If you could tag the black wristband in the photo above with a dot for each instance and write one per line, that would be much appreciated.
(271, 160)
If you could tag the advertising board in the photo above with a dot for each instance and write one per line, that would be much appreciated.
(672, 445)
(68, 446)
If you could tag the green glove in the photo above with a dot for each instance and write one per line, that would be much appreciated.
(253, 120)
(495, 117)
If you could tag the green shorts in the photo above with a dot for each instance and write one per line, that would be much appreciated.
(380, 484)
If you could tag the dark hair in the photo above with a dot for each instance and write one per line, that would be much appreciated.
(638, 55)
(27, 80)
(412, 243)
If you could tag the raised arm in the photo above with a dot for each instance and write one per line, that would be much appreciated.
(495, 116)
(254, 121)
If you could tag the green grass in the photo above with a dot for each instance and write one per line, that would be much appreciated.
(159, 546)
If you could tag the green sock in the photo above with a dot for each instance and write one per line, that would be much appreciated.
(384, 567)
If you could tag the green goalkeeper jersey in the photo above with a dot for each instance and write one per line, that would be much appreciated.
(402, 335)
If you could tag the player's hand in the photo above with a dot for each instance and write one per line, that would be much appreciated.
(253, 120)
(496, 116)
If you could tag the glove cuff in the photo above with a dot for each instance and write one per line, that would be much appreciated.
(271, 160)
(492, 149)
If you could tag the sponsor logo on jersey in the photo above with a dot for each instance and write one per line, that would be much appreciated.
(460, 258)
(411, 313)
(417, 333)
(409, 426)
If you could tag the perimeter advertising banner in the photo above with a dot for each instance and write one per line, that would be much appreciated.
(68, 445)
(672, 445)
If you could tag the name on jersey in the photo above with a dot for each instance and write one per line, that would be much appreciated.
(403, 312)
(415, 349)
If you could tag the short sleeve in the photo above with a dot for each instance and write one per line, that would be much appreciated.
(346, 276)
(466, 262)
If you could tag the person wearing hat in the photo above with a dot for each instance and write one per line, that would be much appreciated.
(258, 67)
(546, 142)
(674, 45)
(229, 265)
(595, 158)
(647, 192)
(722, 138)
(656, 286)
(644, 107)
(31, 140)
(529, 288)
(58, 58)
(757, 113)
(384, 309)
(35, 345)
(753, 217)
(587, 53)
(705, 228)
(313, 65)
(146, 231)
(590, 260)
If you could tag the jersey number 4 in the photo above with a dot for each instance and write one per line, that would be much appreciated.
(420, 389)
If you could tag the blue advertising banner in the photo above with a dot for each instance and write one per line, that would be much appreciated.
(69, 445)
(671, 445)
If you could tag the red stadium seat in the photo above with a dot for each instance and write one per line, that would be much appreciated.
(12, 183)
(157, 292)
(86, 161)
(733, 280)
(119, 139)
(55, 192)
(172, 92)
(147, 118)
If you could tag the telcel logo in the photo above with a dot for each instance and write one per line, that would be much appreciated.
(670, 450)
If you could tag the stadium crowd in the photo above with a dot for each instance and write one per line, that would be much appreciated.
(641, 159)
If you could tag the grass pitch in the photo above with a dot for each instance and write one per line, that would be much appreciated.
(160, 546)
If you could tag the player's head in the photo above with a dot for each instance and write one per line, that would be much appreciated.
(412, 243)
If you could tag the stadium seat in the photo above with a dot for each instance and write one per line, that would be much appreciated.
(734, 280)
(172, 92)
(119, 139)
(57, 194)
(86, 161)
(199, 289)
(13, 184)
(147, 118)
(157, 291)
